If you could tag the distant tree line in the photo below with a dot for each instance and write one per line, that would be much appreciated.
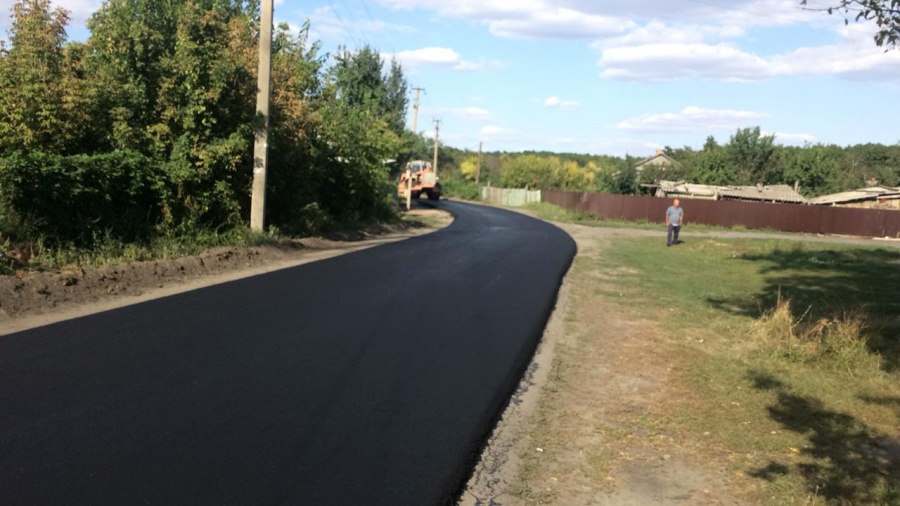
(147, 127)
(748, 158)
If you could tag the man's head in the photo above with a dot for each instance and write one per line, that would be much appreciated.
(676, 203)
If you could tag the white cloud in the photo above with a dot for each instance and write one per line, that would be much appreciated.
(568, 19)
(658, 32)
(557, 23)
(789, 139)
(433, 57)
(854, 56)
(522, 18)
(662, 40)
(692, 119)
(666, 62)
(558, 102)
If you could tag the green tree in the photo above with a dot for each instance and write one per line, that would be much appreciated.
(713, 166)
(815, 168)
(532, 171)
(396, 100)
(171, 80)
(40, 97)
(469, 167)
(752, 155)
(625, 181)
(361, 83)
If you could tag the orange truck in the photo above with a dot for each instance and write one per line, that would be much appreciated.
(419, 178)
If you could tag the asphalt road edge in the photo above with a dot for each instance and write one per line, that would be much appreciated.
(489, 464)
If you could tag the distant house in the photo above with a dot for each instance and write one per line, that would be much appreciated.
(759, 193)
(874, 197)
(660, 161)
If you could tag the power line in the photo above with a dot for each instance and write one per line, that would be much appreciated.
(374, 22)
(349, 37)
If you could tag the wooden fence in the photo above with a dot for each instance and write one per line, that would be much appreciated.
(509, 197)
(725, 213)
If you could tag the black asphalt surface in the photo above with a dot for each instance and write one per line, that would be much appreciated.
(371, 378)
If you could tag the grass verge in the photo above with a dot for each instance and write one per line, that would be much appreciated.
(791, 363)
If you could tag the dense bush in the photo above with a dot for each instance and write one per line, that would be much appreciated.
(75, 199)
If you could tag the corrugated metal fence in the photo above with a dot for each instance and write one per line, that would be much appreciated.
(752, 215)
(508, 197)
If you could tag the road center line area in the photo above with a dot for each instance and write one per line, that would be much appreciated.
(370, 378)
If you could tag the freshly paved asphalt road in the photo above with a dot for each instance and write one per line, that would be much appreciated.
(371, 378)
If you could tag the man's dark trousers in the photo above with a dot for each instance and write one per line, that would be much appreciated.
(672, 236)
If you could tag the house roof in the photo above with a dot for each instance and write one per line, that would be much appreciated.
(777, 193)
(871, 193)
(668, 159)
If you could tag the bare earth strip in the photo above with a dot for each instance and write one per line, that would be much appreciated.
(32, 299)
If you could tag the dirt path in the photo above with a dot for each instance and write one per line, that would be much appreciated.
(31, 299)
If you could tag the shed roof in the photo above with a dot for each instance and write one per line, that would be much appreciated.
(776, 193)
(862, 194)
(668, 159)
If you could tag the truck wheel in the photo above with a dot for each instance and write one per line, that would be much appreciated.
(434, 196)
(415, 195)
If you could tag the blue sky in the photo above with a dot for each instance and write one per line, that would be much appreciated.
(616, 77)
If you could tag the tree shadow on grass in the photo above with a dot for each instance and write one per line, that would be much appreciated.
(822, 283)
(848, 462)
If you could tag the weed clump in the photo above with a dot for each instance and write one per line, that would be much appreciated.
(841, 341)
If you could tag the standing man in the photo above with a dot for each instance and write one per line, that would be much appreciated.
(674, 218)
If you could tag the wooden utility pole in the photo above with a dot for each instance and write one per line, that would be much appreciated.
(261, 146)
(478, 170)
(416, 111)
(437, 143)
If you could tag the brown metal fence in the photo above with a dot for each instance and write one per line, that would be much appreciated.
(752, 215)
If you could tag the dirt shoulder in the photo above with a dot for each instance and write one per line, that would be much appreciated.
(32, 299)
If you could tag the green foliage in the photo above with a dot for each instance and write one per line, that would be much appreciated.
(713, 166)
(39, 95)
(147, 127)
(460, 188)
(624, 182)
(469, 167)
(172, 80)
(815, 168)
(751, 153)
(70, 199)
(546, 172)
(356, 180)
(361, 83)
